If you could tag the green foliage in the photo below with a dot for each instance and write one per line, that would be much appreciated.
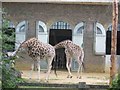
(10, 75)
(10, 78)
(8, 37)
(116, 83)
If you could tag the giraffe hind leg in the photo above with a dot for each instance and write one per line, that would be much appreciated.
(68, 65)
(79, 72)
(50, 59)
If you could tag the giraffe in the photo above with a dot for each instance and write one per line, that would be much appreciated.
(72, 51)
(38, 51)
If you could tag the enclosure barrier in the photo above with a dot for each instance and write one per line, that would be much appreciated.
(80, 85)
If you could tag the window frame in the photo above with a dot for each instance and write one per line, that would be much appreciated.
(79, 25)
(43, 25)
(60, 25)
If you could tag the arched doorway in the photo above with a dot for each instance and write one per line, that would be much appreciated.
(41, 32)
(108, 48)
(21, 32)
(100, 39)
(78, 34)
(60, 31)
(77, 38)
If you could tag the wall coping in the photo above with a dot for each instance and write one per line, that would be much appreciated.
(64, 1)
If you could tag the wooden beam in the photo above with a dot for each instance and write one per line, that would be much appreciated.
(113, 58)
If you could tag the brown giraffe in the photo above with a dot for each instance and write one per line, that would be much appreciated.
(72, 51)
(39, 51)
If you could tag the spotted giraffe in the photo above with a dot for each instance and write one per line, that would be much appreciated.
(38, 51)
(72, 51)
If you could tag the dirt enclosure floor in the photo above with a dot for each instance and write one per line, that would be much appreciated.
(89, 78)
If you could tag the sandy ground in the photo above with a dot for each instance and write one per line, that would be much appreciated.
(89, 78)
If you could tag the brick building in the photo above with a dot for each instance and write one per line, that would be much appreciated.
(84, 22)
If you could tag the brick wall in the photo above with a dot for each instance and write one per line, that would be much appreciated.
(71, 13)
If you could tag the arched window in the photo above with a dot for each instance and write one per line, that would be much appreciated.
(110, 27)
(41, 31)
(41, 27)
(98, 31)
(100, 39)
(21, 32)
(78, 34)
(79, 29)
(60, 25)
(21, 27)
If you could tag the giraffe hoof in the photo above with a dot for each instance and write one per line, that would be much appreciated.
(69, 76)
(79, 77)
(46, 81)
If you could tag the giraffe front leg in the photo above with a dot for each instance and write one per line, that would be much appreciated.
(31, 72)
(49, 68)
(38, 64)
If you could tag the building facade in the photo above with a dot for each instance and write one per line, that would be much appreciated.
(87, 23)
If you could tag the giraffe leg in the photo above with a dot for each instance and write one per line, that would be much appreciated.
(80, 61)
(38, 64)
(79, 72)
(31, 72)
(49, 67)
(68, 65)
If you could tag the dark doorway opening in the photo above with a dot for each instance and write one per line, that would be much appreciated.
(56, 36)
(108, 43)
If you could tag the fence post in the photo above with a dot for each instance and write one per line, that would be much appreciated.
(114, 41)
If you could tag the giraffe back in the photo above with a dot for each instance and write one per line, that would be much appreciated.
(70, 48)
(36, 48)
(62, 44)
